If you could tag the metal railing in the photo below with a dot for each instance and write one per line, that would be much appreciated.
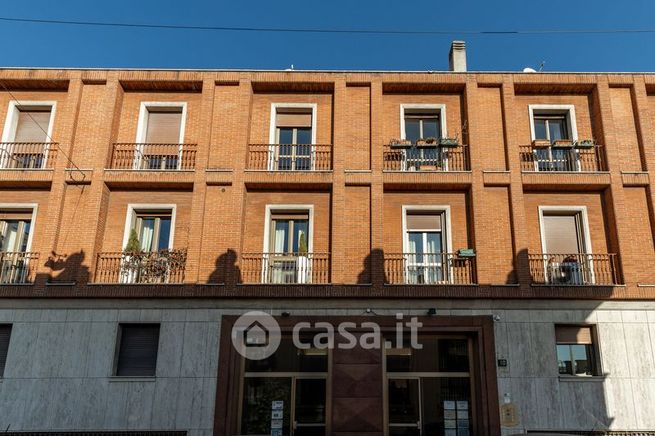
(28, 155)
(162, 157)
(573, 269)
(290, 157)
(413, 158)
(567, 159)
(18, 267)
(285, 268)
(165, 266)
(429, 269)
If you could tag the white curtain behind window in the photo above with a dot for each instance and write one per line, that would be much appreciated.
(147, 233)
(280, 233)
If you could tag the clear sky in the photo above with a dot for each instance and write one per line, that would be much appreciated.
(48, 45)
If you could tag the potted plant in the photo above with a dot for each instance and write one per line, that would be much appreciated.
(448, 142)
(585, 143)
(541, 143)
(303, 264)
(399, 143)
(131, 261)
(562, 143)
(420, 142)
(431, 140)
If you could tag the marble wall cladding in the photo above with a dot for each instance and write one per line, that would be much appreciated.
(622, 397)
(59, 368)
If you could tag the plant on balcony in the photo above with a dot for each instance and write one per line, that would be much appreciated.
(431, 140)
(303, 260)
(131, 261)
(562, 143)
(157, 265)
(585, 143)
(541, 143)
(449, 142)
(400, 143)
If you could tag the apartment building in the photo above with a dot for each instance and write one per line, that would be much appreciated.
(142, 212)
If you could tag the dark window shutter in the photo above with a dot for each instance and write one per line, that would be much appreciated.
(137, 354)
(5, 334)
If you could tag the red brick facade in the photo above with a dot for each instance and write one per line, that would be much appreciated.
(357, 205)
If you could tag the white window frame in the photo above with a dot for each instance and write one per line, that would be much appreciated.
(436, 107)
(568, 108)
(34, 207)
(586, 235)
(447, 242)
(272, 134)
(270, 210)
(441, 109)
(132, 209)
(142, 127)
(11, 124)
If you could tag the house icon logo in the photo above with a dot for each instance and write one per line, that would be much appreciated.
(256, 335)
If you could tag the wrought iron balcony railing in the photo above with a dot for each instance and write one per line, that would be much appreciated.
(290, 157)
(18, 267)
(162, 157)
(425, 158)
(28, 155)
(429, 269)
(285, 268)
(563, 159)
(574, 269)
(156, 267)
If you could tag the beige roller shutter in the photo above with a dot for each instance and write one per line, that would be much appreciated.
(164, 126)
(32, 125)
(573, 335)
(562, 234)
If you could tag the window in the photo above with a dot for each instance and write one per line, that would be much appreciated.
(5, 335)
(564, 241)
(424, 241)
(15, 227)
(552, 124)
(420, 122)
(429, 390)
(289, 258)
(153, 224)
(294, 136)
(297, 378)
(153, 229)
(27, 130)
(137, 350)
(575, 350)
(160, 135)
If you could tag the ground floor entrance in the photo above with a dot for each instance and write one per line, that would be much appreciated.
(439, 381)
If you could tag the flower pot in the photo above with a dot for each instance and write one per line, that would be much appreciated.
(585, 143)
(541, 143)
(448, 142)
(563, 143)
(400, 143)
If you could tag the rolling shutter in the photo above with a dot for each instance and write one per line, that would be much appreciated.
(416, 221)
(164, 126)
(137, 355)
(5, 334)
(32, 126)
(562, 234)
(293, 119)
(573, 335)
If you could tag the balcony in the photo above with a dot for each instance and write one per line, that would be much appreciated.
(429, 269)
(573, 269)
(402, 157)
(290, 157)
(285, 268)
(28, 155)
(157, 267)
(18, 267)
(562, 159)
(157, 157)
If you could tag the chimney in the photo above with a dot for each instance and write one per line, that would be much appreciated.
(457, 56)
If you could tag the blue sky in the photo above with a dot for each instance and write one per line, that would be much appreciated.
(49, 45)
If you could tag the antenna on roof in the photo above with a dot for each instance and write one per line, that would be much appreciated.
(541, 67)
(290, 68)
